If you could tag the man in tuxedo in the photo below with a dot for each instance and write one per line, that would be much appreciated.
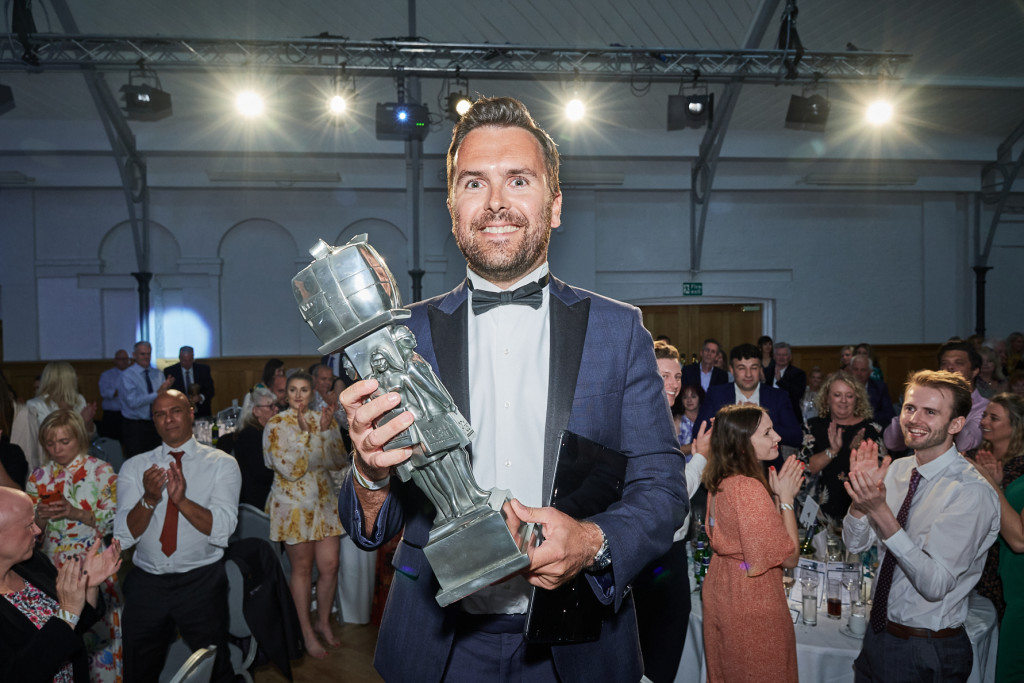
(745, 360)
(782, 374)
(192, 379)
(704, 372)
(549, 357)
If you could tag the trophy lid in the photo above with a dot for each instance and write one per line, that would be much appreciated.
(347, 293)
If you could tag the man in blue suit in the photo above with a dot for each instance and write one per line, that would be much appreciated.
(524, 356)
(704, 373)
(745, 361)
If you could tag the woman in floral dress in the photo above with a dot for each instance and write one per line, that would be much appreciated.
(76, 497)
(302, 447)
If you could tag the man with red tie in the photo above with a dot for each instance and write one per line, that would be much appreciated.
(936, 518)
(178, 504)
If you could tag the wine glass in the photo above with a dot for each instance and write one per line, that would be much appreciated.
(851, 582)
(788, 580)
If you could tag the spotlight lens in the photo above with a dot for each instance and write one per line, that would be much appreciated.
(249, 104)
(402, 114)
(575, 109)
(879, 112)
(462, 106)
(695, 107)
(336, 105)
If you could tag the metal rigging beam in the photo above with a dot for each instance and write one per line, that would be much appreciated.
(438, 60)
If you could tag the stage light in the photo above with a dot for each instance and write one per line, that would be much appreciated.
(6, 99)
(402, 121)
(690, 111)
(144, 97)
(575, 110)
(458, 104)
(249, 104)
(808, 113)
(337, 105)
(879, 113)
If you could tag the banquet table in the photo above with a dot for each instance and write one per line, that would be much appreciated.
(824, 655)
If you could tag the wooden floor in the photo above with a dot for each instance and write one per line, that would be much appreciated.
(350, 663)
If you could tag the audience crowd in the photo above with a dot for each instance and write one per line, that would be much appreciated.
(783, 436)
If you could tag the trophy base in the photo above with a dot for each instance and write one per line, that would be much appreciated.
(494, 553)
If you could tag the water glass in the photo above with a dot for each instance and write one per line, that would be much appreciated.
(809, 588)
(858, 618)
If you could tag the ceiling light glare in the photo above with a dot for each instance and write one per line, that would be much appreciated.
(337, 105)
(879, 113)
(249, 104)
(575, 110)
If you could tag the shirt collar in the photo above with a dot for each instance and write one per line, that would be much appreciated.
(480, 283)
(189, 447)
(940, 463)
(78, 461)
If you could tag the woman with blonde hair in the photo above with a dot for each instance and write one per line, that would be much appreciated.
(748, 631)
(58, 390)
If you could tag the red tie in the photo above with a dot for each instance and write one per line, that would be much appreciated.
(880, 605)
(169, 535)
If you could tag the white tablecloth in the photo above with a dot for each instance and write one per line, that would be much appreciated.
(825, 655)
(356, 573)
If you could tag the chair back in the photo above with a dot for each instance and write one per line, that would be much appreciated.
(198, 668)
(108, 449)
(252, 522)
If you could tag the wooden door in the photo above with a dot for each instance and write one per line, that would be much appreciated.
(689, 326)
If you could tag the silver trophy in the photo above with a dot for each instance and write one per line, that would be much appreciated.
(349, 299)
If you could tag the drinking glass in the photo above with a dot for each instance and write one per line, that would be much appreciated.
(834, 598)
(851, 582)
(858, 618)
(788, 580)
(809, 588)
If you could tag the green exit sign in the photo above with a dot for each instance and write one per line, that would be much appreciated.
(693, 288)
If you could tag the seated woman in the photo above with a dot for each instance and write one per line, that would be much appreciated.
(44, 612)
(75, 498)
(1002, 428)
(843, 422)
(748, 631)
(260, 406)
(692, 397)
(58, 390)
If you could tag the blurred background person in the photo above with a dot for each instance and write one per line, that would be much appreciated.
(302, 447)
(1002, 431)
(815, 378)
(844, 420)
(667, 357)
(271, 369)
(75, 496)
(767, 348)
(45, 611)
(58, 390)
(110, 381)
(990, 380)
(691, 397)
(1014, 352)
(748, 630)
(259, 407)
(13, 461)
(862, 368)
(845, 356)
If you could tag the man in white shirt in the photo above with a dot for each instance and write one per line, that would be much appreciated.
(177, 504)
(110, 384)
(936, 517)
(139, 387)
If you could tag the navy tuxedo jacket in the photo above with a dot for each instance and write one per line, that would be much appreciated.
(604, 385)
(201, 376)
(691, 376)
(775, 401)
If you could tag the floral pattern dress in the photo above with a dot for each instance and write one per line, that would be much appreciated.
(303, 502)
(90, 484)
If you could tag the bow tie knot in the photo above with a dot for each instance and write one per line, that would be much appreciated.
(530, 294)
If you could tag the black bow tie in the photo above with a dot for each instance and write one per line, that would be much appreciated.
(531, 295)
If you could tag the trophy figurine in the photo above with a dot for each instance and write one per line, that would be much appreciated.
(349, 299)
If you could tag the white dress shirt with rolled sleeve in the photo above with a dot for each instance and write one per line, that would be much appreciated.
(953, 519)
(212, 480)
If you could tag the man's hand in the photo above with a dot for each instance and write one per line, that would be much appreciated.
(166, 384)
(868, 496)
(175, 484)
(567, 548)
(153, 481)
(373, 461)
(702, 441)
(864, 458)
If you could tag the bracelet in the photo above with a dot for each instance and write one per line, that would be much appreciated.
(829, 454)
(366, 483)
(147, 506)
(786, 506)
(70, 618)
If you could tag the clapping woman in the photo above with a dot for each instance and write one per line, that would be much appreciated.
(302, 446)
(748, 631)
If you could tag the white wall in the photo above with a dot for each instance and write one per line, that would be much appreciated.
(888, 267)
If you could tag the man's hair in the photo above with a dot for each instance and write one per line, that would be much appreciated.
(503, 112)
(141, 343)
(966, 347)
(70, 420)
(663, 349)
(183, 349)
(743, 352)
(871, 366)
(782, 346)
(711, 340)
(944, 380)
(731, 450)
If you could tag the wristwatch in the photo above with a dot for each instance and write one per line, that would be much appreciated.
(603, 558)
(829, 454)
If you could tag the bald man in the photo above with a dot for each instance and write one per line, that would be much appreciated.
(177, 504)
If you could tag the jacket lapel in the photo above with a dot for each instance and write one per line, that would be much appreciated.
(449, 330)
(569, 316)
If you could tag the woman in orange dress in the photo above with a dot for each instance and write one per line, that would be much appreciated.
(748, 630)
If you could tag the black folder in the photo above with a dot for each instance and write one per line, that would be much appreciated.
(588, 479)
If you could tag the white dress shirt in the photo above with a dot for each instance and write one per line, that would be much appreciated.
(509, 350)
(953, 519)
(755, 398)
(135, 397)
(212, 480)
(705, 377)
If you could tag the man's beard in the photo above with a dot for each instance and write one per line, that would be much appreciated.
(508, 262)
